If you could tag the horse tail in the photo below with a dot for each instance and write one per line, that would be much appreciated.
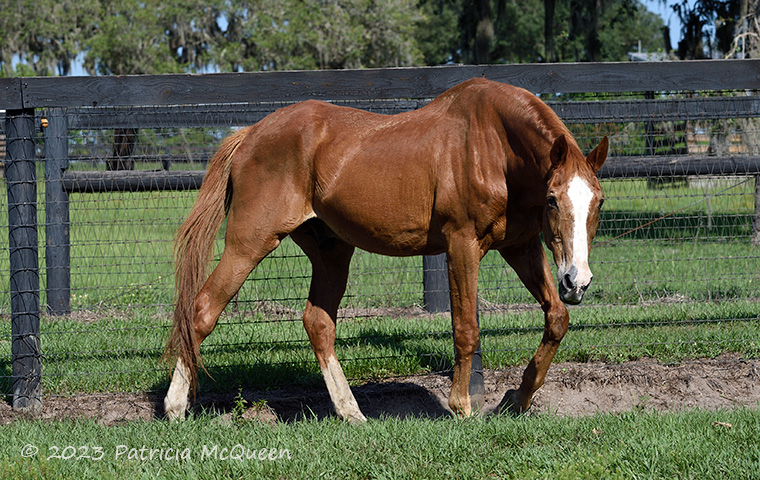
(193, 248)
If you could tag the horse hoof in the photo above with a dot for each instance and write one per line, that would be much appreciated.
(175, 416)
(355, 418)
(511, 404)
(174, 412)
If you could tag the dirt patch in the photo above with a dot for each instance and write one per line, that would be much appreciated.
(571, 389)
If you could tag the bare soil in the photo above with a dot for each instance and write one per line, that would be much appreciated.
(571, 389)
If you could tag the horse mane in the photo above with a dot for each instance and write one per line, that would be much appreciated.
(512, 104)
(534, 113)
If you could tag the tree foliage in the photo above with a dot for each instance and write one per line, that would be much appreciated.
(46, 37)
(309, 34)
(150, 36)
(508, 31)
(711, 28)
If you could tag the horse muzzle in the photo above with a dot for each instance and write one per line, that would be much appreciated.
(571, 287)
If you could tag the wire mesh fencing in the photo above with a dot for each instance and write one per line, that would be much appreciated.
(675, 258)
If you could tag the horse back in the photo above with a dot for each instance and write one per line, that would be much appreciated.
(395, 184)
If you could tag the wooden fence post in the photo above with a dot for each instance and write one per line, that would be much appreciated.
(57, 244)
(435, 284)
(21, 180)
(756, 218)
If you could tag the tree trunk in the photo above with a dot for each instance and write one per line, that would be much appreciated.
(478, 32)
(484, 32)
(594, 44)
(751, 15)
(549, 30)
(123, 149)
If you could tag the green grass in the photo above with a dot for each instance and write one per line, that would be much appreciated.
(639, 444)
(121, 353)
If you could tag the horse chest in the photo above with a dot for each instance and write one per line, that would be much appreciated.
(523, 223)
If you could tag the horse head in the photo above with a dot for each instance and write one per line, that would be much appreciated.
(573, 202)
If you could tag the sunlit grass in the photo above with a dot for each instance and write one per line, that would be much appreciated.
(114, 352)
(638, 444)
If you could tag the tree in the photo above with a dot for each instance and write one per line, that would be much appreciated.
(437, 32)
(623, 24)
(42, 35)
(750, 12)
(480, 31)
(150, 36)
(710, 27)
(507, 31)
(477, 27)
(549, 6)
(746, 35)
(309, 34)
(591, 30)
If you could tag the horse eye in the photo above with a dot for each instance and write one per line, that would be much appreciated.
(551, 202)
(601, 202)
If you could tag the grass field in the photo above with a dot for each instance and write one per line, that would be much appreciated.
(122, 354)
(637, 444)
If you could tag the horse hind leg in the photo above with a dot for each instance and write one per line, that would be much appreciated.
(238, 260)
(330, 258)
(176, 400)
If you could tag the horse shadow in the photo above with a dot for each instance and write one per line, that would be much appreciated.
(304, 395)
(382, 399)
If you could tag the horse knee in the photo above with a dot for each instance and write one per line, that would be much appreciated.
(466, 347)
(557, 322)
(320, 328)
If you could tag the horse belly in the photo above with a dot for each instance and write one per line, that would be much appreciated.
(388, 218)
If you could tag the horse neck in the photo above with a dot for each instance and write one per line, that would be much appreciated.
(531, 137)
(531, 133)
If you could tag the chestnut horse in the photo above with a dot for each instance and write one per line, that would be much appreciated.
(484, 166)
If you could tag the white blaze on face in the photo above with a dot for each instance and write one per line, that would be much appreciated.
(580, 195)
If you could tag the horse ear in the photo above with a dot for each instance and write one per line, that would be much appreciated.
(597, 157)
(558, 153)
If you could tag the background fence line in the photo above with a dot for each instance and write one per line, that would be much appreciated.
(379, 84)
(72, 108)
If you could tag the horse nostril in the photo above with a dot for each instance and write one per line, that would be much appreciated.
(568, 281)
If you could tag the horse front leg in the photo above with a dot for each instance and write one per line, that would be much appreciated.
(531, 265)
(463, 258)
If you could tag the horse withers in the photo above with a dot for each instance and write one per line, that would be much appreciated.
(484, 166)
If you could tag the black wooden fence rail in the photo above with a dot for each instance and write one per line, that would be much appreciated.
(383, 83)
(241, 99)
